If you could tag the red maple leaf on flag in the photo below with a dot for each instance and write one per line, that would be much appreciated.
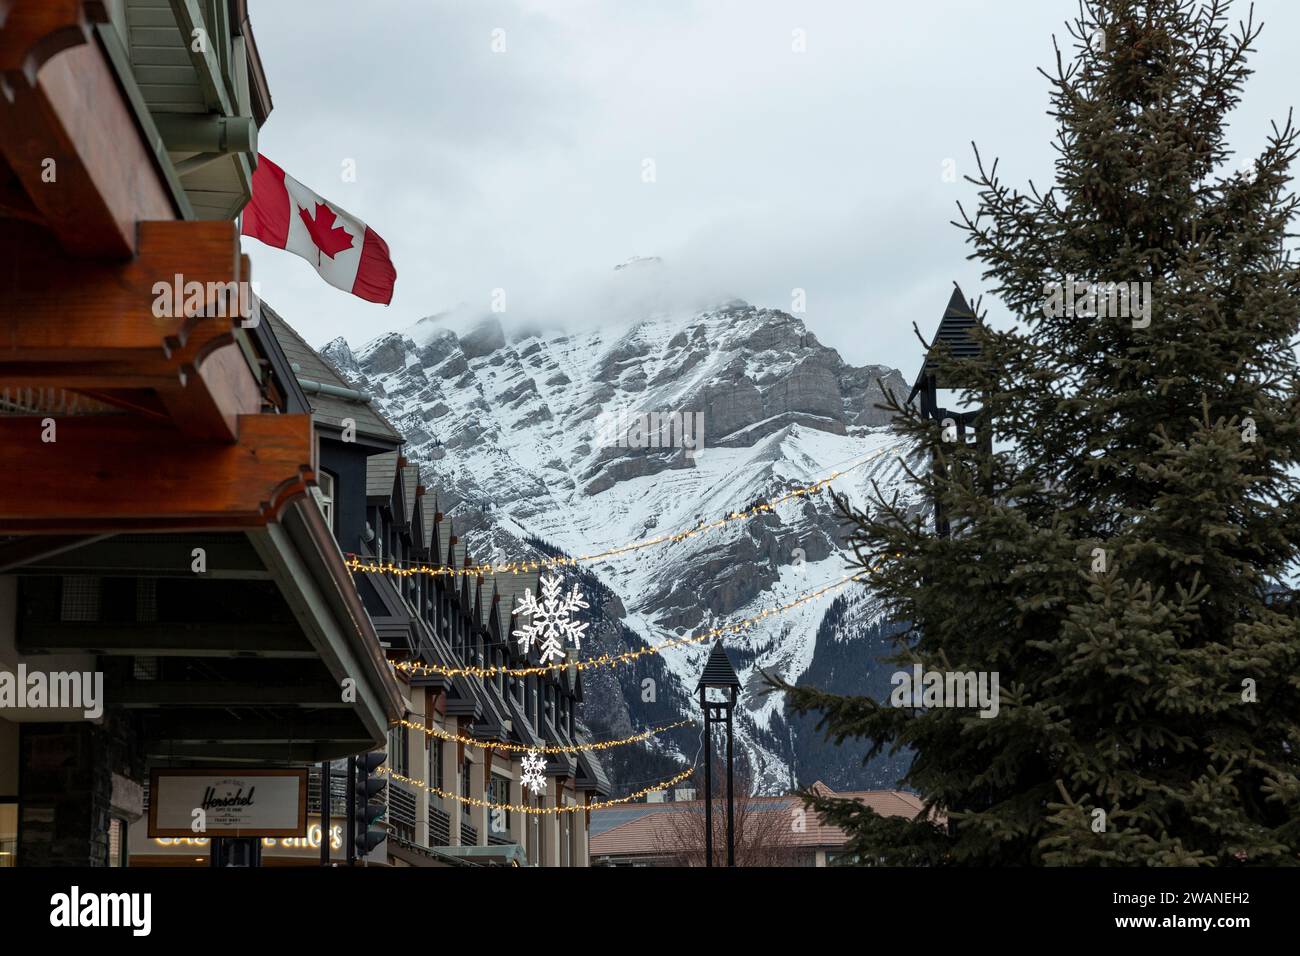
(328, 237)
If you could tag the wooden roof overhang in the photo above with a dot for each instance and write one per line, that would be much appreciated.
(395, 625)
(60, 101)
(89, 240)
(304, 559)
(247, 659)
(189, 431)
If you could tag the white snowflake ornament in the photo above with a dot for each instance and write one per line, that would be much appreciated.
(534, 770)
(551, 620)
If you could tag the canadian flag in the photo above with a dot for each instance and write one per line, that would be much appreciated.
(347, 253)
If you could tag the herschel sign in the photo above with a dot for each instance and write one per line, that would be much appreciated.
(228, 803)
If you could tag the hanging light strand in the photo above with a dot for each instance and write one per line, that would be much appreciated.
(354, 563)
(552, 749)
(626, 657)
(538, 811)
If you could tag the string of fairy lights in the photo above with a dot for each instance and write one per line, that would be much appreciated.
(538, 811)
(539, 748)
(626, 657)
(355, 564)
(533, 765)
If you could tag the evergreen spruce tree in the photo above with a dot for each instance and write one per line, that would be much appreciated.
(1123, 558)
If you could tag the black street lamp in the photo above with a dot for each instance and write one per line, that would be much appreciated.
(954, 331)
(718, 673)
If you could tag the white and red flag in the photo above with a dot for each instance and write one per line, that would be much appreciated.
(347, 253)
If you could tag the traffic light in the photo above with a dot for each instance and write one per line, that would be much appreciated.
(368, 807)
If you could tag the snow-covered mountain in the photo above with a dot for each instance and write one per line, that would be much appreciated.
(515, 422)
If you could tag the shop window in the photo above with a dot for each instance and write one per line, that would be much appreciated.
(8, 832)
(399, 756)
(117, 829)
(435, 762)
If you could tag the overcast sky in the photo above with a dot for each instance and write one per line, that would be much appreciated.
(524, 169)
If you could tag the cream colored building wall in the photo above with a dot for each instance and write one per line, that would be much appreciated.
(478, 816)
(451, 778)
(419, 747)
(551, 824)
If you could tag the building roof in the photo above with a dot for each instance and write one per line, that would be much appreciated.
(410, 482)
(647, 833)
(329, 409)
(591, 775)
(428, 514)
(718, 671)
(381, 474)
(955, 332)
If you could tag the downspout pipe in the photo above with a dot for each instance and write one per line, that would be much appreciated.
(336, 391)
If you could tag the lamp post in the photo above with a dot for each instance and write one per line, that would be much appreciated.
(720, 674)
(954, 331)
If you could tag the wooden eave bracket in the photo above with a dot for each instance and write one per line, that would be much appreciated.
(92, 325)
(34, 31)
(122, 473)
(70, 135)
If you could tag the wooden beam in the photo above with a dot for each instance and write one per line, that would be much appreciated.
(334, 726)
(228, 557)
(187, 693)
(225, 753)
(140, 401)
(86, 377)
(212, 393)
(14, 204)
(71, 138)
(118, 473)
(163, 639)
(26, 551)
(64, 310)
(37, 30)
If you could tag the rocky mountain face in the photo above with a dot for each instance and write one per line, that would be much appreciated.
(549, 442)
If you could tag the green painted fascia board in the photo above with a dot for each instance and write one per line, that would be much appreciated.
(189, 17)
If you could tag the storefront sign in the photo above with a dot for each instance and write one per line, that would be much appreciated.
(175, 851)
(228, 803)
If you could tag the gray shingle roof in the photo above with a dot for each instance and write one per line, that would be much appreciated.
(444, 539)
(718, 670)
(428, 511)
(328, 409)
(381, 473)
(410, 481)
(511, 589)
(591, 774)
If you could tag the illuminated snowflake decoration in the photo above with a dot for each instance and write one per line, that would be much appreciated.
(534, 768)
(551, 621)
